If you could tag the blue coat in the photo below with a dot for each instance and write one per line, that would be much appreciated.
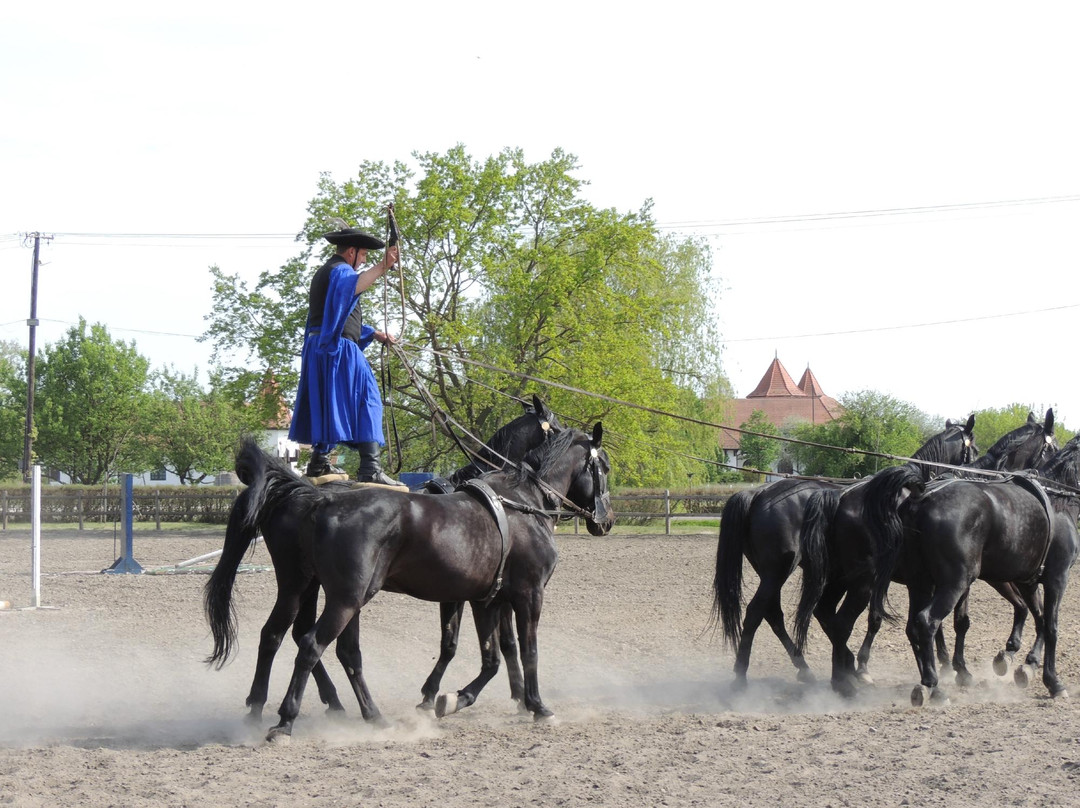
(338, 400)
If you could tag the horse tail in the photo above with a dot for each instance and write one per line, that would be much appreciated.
(814, 536)
(268, 481)
(885, 491)
(727, 582)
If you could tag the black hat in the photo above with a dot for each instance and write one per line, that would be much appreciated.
(351, 237)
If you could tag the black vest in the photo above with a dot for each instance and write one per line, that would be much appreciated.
(320, 285)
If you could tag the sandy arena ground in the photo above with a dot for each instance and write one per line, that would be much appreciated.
(104, 699)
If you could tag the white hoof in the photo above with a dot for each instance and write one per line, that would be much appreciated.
(920, 695)
(1001, 663)
(446, 704)
(1022, 675)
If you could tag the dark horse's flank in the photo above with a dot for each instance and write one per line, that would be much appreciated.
(764, 525)
(838, 556)
(1020, 530)
(298, 587)
(442, 548)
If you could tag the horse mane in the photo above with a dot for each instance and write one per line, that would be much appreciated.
(506, 442)
(934, 450)
(997, 453)
(1064, 466)
(541, 459)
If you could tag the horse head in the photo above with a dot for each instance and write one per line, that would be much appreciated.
(1026, 447)
(589, 488)
(954, 446)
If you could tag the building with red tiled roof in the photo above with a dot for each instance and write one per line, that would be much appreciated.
(783, 401)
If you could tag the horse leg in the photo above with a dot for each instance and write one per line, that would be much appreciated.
(302, 624)
(1054, 589)
(450, 619)
(1003, 658)
(961, 624)
(1030, 595)
(509, 647)
(765, 602)
(527, 612)
(327, 628)
(925, 623)
(286, 608)
(348, 654)
(1034, 603)
(918, 600)
(873, 626)
(487, 625)
(844, 674)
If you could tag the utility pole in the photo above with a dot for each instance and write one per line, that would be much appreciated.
(28, 444)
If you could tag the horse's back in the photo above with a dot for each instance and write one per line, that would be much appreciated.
(1000, 529)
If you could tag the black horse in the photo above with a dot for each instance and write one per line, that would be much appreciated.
(764, 525)
(446, 548)
(837, 548)
(1019, 530)
(298, 589)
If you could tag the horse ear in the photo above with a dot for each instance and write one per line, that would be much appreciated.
(540, 407)
(970, 424)
(1048, 426)
(1031, 418)
(597, 434)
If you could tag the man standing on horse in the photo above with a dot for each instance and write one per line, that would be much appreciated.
(338, 400)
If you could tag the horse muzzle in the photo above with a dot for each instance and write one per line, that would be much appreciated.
(603, 518)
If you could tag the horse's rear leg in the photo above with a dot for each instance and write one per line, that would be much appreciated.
(838, 629)
(328, 627)
(292, 602)
(450, 628)
(765, 605)
(961, 624)
(1054, 586)
(487, 626)
(348, 654)
(305, 619)
(509, 647)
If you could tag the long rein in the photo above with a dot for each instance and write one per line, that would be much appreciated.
(445, 420)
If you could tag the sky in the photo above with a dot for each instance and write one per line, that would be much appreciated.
(890, 192)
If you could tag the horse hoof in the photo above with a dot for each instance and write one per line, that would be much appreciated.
(1062, 694)
(964, 679)
(806, 676)
(920, 695)
(1001, 664)
(544, 714)
(426, 706)
(279, 735)
(1022, 675)
(845, 687)
(939, 697)
(446, 704)
(864, 677)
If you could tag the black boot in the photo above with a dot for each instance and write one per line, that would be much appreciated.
(370, 470)
(318, 465)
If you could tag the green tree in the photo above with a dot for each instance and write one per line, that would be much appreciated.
(758, 451)
(194, 431)
(12, 407)
(92, 410)
(871, 422)
(505, 265)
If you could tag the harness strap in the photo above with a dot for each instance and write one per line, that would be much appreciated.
(438, 485)
(493, 502)
(1035, 488)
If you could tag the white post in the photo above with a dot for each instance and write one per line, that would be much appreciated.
(35, 535)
